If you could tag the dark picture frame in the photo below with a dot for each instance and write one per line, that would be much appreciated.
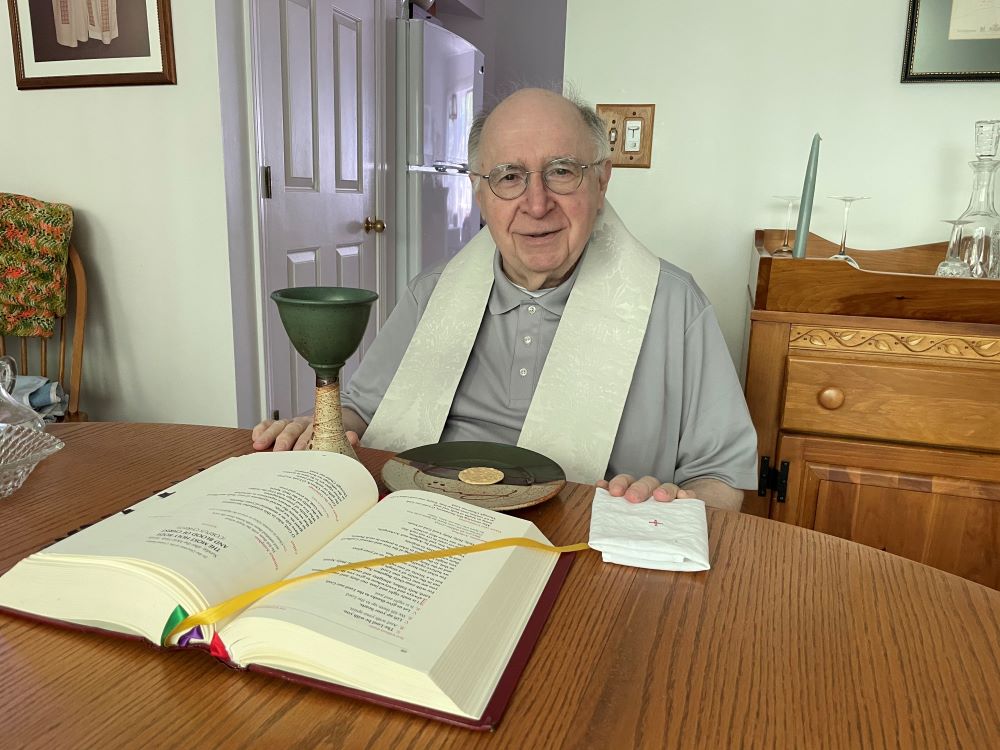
(54, 49)
(930, 55)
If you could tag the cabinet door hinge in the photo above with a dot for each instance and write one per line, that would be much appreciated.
(772, 479)
(265, 181)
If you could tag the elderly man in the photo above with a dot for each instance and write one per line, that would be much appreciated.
(557, 331)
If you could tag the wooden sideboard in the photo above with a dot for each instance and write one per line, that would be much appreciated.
(876, 398)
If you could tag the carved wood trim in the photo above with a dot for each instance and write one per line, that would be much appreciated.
(936, 346)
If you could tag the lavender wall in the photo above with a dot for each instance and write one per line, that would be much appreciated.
(523, 40)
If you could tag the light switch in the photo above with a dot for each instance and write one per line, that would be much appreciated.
(633, 135)
(629, 130)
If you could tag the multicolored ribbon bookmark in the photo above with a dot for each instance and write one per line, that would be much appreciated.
(176, 617)
(244, 600)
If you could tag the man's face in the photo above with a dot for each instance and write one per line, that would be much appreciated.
(540, 234)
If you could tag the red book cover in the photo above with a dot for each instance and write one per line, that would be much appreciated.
(494, 709)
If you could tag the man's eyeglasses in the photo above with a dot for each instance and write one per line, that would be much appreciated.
(561, 176)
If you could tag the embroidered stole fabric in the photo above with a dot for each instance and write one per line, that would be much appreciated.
(81, 20)
(577, 406)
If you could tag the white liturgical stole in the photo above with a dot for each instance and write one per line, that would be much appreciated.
(80, 20)
(574, 413)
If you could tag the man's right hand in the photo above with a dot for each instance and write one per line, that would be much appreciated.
(283, 434)
(289, 434)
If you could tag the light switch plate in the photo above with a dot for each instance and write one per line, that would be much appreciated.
(615, 116)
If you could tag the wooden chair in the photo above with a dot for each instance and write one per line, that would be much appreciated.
(33, 353)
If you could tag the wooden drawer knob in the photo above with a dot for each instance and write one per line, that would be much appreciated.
(831, 398)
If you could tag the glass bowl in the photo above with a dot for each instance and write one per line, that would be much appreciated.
(21, 448)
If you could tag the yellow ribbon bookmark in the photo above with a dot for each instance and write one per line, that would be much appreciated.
(244, 600)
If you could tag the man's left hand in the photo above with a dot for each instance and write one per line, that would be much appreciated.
(713, 492)
(640, 490)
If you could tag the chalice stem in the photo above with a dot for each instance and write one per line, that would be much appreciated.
(328, 421)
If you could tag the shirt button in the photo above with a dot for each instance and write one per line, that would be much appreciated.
(531, 309)
(527, 339)
(524, 372)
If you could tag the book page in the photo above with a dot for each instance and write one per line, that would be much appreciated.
(243, 523)
(406, 613)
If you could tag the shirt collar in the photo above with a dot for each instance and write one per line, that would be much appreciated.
(505, 296)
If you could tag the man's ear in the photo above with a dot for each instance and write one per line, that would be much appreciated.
(604, 175)
(476, 184)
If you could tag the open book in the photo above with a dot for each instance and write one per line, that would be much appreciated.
(445, 638)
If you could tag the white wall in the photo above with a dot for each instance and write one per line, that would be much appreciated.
(739, 89)
(143, 168)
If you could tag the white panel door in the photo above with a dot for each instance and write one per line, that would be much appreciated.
(316, 120)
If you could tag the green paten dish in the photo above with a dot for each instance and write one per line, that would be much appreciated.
(488, 475)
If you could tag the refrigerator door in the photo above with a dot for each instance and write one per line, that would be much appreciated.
(436, 211)
(442, 216)
(444, 92)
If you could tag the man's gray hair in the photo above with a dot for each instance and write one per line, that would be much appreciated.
(591, 120)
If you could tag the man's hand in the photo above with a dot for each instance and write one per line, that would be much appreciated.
(283, 434)
(640, 490)
(295, 434)
(713, 492)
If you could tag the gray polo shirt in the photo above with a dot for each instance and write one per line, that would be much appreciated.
(684, 418)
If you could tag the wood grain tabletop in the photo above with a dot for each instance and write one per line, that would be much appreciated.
(793, 639)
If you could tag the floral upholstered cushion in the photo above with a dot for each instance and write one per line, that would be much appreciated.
(34, 246)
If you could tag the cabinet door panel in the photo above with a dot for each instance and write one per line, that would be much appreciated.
(836, 505)
(892, 520)
(876, 515)
(966, 539)
(871, 494)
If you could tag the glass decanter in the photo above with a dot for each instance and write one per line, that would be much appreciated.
(987, 138)
(953, 265)
(13, 413)
(981, 234)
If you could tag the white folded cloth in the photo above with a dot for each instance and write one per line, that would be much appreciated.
(662, 536)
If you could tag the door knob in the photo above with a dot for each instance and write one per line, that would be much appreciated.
(372, 223)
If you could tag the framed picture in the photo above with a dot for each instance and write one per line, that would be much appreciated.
(60, 43)
(952, 40)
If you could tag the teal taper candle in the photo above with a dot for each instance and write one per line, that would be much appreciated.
(806, 204)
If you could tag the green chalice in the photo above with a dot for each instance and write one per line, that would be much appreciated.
(325, 325)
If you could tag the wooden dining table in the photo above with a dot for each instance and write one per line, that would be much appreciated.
(793, 639)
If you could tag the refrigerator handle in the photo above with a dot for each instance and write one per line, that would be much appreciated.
(451, 166)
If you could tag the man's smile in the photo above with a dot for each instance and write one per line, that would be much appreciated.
(542, 234)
